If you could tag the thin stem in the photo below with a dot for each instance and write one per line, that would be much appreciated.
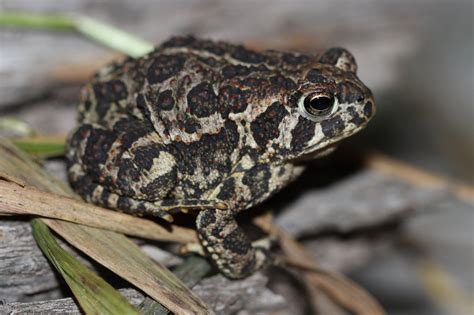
(107, 35)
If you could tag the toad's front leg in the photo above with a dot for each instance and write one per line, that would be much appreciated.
(228, 246)
(223, 240)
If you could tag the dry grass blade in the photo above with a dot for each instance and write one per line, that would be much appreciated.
(443, 289)
(93, 294)
(15, 199)
(191, 271)
(111, 249)
(342, 290)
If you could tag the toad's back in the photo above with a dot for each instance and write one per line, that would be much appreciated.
(148, 125)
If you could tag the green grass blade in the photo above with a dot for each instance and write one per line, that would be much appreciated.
(16, 126)
(93, 294)
(30, 20)
(113, 38)
(105, 34)
(42, 147)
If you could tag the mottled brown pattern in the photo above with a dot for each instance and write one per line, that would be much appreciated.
(210, 126)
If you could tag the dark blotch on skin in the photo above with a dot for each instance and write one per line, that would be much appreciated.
(207, 218)
(257, 179)
(295, 59)
(98, 145)
(368, 108)
(235, 70)
(233, 100)
(236, 242)
(202, 100)
(87, 105)
(155, 189)
(131, 129)
(123, 202)
(128, 173)
(332, 126)
(227, 190)
(265, 126)
(165, 100)
(316, 76)
(349, 93)
(211, 152)
(302, 133)
(179, 41)
(144, 155)
(246, 55)
(282, 82)
(108, 92)
(241, 71)
(191, 125)
(165, 67)
(356, 119)
(84, 186)
(104, 197)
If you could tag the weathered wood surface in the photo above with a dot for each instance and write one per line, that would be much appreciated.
(60, 306)
(250, 294)
(364, 200)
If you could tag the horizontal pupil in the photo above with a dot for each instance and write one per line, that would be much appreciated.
(317, 105)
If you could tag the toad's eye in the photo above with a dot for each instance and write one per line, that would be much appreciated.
(317, 106)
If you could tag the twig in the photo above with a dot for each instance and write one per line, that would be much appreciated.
(417, 176)
(342, 290)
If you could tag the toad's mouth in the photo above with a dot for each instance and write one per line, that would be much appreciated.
(318, 153)
(323, 151)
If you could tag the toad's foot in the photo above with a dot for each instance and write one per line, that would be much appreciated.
(227, 245)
